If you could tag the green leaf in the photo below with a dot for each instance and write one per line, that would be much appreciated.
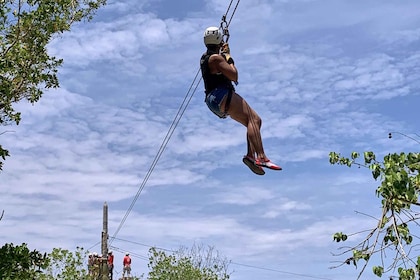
(369, 157)
(339, 236)
(354, 155)
(378, 270)
(334, 157)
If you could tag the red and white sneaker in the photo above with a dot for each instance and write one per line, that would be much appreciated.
(268, 164)
(251, 163)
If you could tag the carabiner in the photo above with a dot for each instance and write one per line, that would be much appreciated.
(224, 28)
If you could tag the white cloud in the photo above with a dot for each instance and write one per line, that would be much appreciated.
(246, 196)
(320, 73)
(285, 207)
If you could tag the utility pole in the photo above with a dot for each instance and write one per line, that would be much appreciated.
(104, 260)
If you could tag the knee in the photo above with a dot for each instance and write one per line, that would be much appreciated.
(257, 120)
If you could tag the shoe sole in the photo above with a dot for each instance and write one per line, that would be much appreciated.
(272, 168)
(254, 168)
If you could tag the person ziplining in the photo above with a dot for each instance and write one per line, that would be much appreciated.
(218, 71)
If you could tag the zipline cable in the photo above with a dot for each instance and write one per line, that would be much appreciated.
(224, 25)
(171, 130)
(233, 13)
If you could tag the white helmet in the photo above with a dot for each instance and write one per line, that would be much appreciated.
(212, 36)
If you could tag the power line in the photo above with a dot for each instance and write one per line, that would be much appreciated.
(234, 263)
(280, 271)
(405, 135)
(94, 245)
(130, 252)
(144, 245)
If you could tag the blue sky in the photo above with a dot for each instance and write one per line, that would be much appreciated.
(323, 75)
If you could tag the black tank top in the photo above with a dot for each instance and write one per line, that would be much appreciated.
(212, 81)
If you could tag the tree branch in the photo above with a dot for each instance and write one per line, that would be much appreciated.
(379, 227)
(7, 131)
(18, 29)
(397, 234)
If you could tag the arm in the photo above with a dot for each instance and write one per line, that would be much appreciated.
(218, 63)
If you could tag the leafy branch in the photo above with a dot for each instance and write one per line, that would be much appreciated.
(26, 68)
(399, 192)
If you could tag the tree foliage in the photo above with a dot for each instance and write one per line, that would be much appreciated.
(18, 262)
(65, 265)
(26, 68)
(392, 240)
(196, 263)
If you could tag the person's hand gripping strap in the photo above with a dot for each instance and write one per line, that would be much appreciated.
(226, 53)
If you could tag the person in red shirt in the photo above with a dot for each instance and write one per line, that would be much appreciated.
(127, 265)
(110, 264)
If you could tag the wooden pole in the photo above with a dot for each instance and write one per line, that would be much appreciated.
(104, 261)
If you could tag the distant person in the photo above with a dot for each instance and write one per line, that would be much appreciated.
(219, 71)
(91, 261)
(110, 264)
(96, 265)
(127, 265)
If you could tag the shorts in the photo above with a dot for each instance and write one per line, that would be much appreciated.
(214, 100)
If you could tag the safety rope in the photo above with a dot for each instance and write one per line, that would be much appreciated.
(190, 93)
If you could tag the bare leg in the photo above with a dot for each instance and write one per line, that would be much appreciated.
(240, 111)
(251, 150)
